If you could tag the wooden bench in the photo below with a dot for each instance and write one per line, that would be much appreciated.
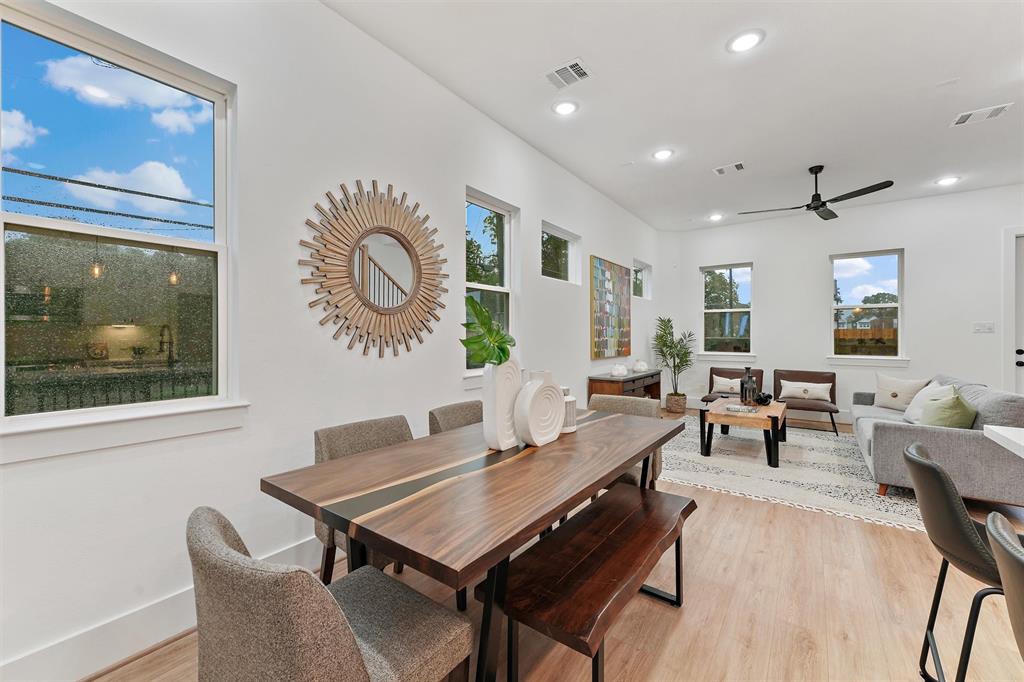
(573, 583)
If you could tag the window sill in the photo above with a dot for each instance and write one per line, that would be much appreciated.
(867, 361)
(31, 437)
(736, 357)
(472, 379)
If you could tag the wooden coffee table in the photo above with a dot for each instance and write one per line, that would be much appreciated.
(770, 418)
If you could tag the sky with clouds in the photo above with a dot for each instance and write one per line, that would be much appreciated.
(867, 275)
(71, 115)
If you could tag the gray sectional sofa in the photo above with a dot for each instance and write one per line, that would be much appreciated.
(980, 468)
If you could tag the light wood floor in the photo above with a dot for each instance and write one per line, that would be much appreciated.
(771, 593)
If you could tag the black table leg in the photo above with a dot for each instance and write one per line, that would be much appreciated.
(355, 554)
(782, 432)
(490, 622)
(644, 471)
(706, 451)
(768, 446)
(774, 459)
(701, 419)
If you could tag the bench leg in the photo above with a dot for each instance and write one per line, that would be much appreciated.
(512, 657)
(461, 672)
(644, 469)
(399, 567)
(673, 599)
(597, 665)
(460, 599)
(327, 564)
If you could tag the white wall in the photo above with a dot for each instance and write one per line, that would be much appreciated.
(94, 559)
(953, 255)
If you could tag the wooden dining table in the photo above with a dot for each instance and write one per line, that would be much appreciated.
(454, 509)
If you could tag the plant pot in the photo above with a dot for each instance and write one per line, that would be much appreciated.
(675, 402)
(501, 384)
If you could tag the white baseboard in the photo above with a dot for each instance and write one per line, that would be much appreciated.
(106, 643)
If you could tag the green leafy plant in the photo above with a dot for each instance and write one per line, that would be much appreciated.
(486, 342)
(674, 353)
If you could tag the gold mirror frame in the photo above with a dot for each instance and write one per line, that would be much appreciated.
(342, 228)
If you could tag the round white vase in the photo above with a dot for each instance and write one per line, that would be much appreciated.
(540, 409)
(501, 384)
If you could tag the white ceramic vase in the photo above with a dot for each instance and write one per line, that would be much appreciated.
(539, 410)
(501, 384)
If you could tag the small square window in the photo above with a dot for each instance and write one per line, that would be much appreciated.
(641, 279)
(559, 254)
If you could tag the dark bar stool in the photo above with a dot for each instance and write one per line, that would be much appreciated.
(1009, 554)
(960, 540)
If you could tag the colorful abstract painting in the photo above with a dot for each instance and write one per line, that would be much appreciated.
(609, 309)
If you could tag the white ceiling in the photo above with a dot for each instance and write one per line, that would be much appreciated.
(868, 89)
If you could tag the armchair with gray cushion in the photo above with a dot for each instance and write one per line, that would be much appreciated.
(981, 468)
(828, 407)
(262, 621)
(640, 407)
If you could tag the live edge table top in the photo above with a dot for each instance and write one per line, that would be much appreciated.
(450, 507)
(716, 413)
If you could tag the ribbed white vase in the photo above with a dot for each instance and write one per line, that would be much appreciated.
(540, 410)
(501, 384)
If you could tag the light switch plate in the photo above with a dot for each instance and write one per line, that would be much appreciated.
(984, 327)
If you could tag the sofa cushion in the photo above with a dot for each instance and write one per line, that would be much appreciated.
(810, 405)
(933, 391)
(896, 393)
(996, 408)
(952, 412)
(859, 412)
(805, 390)
(725, 385)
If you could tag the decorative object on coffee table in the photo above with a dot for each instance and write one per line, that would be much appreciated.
(377, 270)
(748, 388)
(610, 298)
(674, 353)
(489, 345)
(539, 410)
(771, 419)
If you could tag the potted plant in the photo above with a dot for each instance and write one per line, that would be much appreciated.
(674, 353)
(488, 344)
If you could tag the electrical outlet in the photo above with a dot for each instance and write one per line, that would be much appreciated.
(984, 327)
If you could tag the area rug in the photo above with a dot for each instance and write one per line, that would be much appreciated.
(818, 471)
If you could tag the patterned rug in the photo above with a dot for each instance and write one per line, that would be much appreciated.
(817, 471)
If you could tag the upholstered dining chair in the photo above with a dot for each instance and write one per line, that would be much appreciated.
(1009, 554)
(448, 417)
(809, 405)
(262, 621)
(729, 373)
(960, 540)
(640, 407)
(343, 441)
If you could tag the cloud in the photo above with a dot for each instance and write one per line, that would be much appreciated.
(17, 131)
(35, 166)
(889, 285)
(886, 286)
(851, 267)
(177, 121)
(150, 176)
(95, 82)
(741, 275)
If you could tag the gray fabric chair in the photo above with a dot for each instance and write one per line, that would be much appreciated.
(640, 407)
(342, 441)
(1009, 554)
(959, 539)
(456, 415)
(262, 621)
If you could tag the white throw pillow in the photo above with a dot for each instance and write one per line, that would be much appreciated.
(933, 391)
(807, 391)
(896, 394)
(723, 385)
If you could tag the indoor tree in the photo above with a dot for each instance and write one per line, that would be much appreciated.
(674, 353)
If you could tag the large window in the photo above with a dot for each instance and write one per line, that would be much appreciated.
(866, 304)
(487, 259)
(727, 290)
(113, 243)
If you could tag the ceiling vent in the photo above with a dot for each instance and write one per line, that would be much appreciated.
(980, 115)
(568, 73)
(729, 168)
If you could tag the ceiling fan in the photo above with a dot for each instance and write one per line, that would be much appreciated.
(821, 207)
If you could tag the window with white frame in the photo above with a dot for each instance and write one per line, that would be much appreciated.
(641, 279)
(487, 259)
(113, 243)
(559, 253)
(866, 304)
(727, 309)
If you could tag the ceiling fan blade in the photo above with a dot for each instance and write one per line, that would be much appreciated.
(862, 191)
(826, 213)
(771, 210)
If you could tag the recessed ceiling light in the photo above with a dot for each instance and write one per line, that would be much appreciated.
(715, 217)
(566, 108)
(663, 154)
(947, 181)
(746, 41)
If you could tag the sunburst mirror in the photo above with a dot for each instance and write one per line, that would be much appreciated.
(377, 270)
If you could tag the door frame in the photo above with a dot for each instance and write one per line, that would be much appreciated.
(1009, 371)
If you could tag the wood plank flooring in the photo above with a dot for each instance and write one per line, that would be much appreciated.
(771, 593)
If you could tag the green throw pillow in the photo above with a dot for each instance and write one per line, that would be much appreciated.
(952, 412)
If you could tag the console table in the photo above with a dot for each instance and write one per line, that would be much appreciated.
(637, 384)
